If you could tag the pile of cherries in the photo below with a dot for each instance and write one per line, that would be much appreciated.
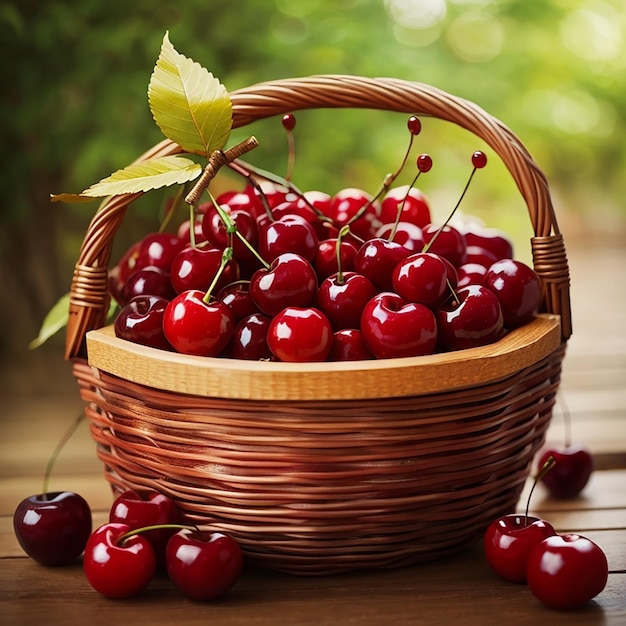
(270, 273)
(120, 558)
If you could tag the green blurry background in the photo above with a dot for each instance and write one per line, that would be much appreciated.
(74, 109)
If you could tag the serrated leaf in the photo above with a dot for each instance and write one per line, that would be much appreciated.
(69, 197)
(151, 174)
(189, 105)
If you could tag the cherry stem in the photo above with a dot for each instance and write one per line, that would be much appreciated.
(227, 255)
(176, 202)
(291, 158)
(53, 457)
(145, 529)
(543, 470)
(456, 206)
(401, 205)
(343, 231)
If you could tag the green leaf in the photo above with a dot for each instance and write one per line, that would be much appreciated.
(150, 174)
(53, 322)
(189, 105)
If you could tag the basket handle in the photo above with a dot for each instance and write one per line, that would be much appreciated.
(89, 294)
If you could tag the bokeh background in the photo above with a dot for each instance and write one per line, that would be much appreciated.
(73, 108)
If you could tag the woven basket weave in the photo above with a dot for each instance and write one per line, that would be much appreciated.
(326, 467)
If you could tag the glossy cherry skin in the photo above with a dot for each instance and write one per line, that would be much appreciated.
(325, 262)
(495, 241)
(141, 321)
(421, 277)
(249, 340)
(118, 569)
(184, 233)
(475, 319)
(413, 203)
(482, 256)
(377, 258)
(290, 280)
(518, 289)
(237, 296)
(471, 274)
(149, 281)
(246, 200)
(449, 243)
(203, 566)
(53, 528)
(342, 298)
(300, 335)
(290, 233)
(194, 326)
(573, 466)
(392, 327)
(348, 345)
(508, 541)
(159, 249)
(147, 508)
(407, 234)
(216, 234)
(346, 203)
(195, 268)
(566, 571)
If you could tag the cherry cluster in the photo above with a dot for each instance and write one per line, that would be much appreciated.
(563, 571)
(271, 273)
(144, 533)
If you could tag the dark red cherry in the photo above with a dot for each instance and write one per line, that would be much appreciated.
(325, 261)
(449, 243)
(195, 268)
(159, 249)
(149, 281)
(421, 277)
(290, 233)
(348, 345)
(237, 296)
(249, 340)
(412, 202)
(141, 321)
(376, 260)
(347, 203)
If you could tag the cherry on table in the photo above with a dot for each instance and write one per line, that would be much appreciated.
(573, 466)
(53, 528)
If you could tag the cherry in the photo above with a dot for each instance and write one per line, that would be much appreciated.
(299, 334)
(377, 258)
(138, 509)
(149, 281)
(566, 571)
(473, 318)
(141, 321)
(405, 233)
(357, 208)
(491, 239)
(159, 249)
(393, 327)
(53, 528)
(237, 296)
(116, 564)
(326, 262)
(446, 241)
(348, 345)
(184, 232)
(572, 470)
(508, 540)
(342, 298)
(218, 235)
(480, 255)
(203, 566)
(518, 289)
(246, 200)
(290, 233)
(195, 268)
(290, 280)
(249, 340)
(471, 274)
(409, 202)
(421, 277)
(195, 326)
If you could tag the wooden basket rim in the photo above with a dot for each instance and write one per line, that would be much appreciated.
(218, 377)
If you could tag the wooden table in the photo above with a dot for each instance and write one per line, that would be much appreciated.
(460, 589)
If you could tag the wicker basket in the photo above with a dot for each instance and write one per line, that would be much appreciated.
(325, 467)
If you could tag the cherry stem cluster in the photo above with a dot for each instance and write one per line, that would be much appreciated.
(67, 435)
(543, 470)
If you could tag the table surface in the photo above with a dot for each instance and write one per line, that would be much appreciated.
(458, 589)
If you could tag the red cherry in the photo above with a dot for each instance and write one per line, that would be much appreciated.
(342, 298)
(347, 203)
(414, 125)
(415, 207)
(147, 508)
(195, 268)
(289, 121)
(203, 566)
(471, 274)
(300, 335)
(480, 255)
(217, 235)
(421, 277)
(566, 571)
(325, 261)
(508, 541)
(377, 258)
(406, 234)
(290, 233)
(159, 249)
(447, 242)
(237, 296)
(518, 289)
(194, 326)
(149, 281)
(53, 528)
(475, 319)
(479, 159)
(116, 568)
(290, 280)
(141, 321)
(348, 345)
(424, 163)
(392, 327)
(495, 241)
(246, 200)
(250, 339)
(573, 466)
